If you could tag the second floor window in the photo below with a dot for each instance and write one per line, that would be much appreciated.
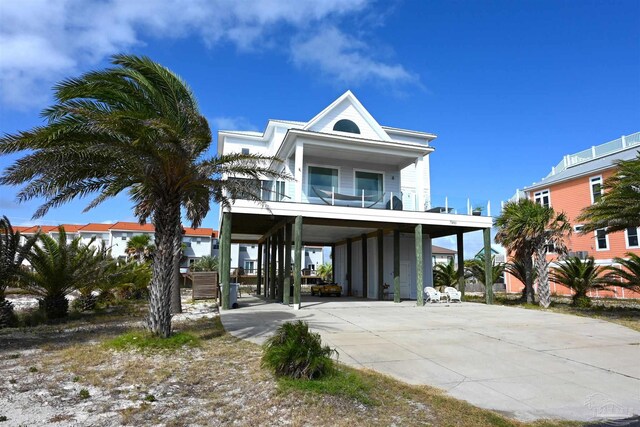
(632, 237)
(602, 241)
(370, 182)
(596, 189)
(322, 179)
(542, 198)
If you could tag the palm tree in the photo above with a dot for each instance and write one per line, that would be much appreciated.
(12, 253)
(58, 268)
(476, 268)
(628, 274)
(445, 275)
(137, 128)
(527, 230)
(325, 271)
(579, 276)
(206, 263)
(518, 269)
(140, 247)
(620, 207)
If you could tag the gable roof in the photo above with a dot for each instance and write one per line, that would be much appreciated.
(93, 226)
(440, 250)
(348, 96)
(132, 226)
(208, 232)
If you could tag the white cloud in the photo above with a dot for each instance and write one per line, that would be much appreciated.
(346, 58)
(43, 41)
(231, 123)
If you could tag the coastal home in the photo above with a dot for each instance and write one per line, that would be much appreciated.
(440, 255)
(575, 183)
(358, 187)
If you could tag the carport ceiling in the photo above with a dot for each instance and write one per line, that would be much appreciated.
(329, 231)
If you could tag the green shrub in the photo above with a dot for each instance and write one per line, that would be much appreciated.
(84, 394)
(582, 302)
(150, 398)
(3, 418)
(296, 352)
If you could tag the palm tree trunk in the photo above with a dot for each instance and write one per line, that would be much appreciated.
(528, 282)
(544, 294)
(176, 300)
(166, 220)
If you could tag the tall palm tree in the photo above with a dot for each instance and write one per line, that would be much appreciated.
(140, 247)
(12, 252)
(135, 127)
(445, 275)
(476, 268)
(579, 276)
(518, 269)
(628, 274)
(620, 207)
(58, 268)
(527, 230)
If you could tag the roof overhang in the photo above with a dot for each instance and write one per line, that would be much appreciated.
(402, 153)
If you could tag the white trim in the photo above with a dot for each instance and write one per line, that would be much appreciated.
(606, 236)
(594, 178)
(626, 238)
(547, 190)
(318, 165)
(575, 228)
(367, 171)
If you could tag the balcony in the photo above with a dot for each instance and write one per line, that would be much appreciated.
(405, 200)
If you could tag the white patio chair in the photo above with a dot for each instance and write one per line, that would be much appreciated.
(431, 295)
(453, 294)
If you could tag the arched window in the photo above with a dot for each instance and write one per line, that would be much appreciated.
(345, 125)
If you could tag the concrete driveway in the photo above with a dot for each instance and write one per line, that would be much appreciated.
(527, 364)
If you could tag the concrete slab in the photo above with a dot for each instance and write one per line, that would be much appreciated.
(528, 364)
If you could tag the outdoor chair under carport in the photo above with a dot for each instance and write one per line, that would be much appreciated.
(431, 295)
(453, 294)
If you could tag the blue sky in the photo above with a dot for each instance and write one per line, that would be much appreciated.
(509, 87)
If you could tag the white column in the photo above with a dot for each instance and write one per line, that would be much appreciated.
(297, 173)
(421, 176)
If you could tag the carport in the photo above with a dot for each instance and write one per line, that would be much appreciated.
(369, 246)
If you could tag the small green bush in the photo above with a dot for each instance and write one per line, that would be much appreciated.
(150, 398)
(3, 418)
(582, 302)
(296, 352)
(140, 340)
(84, 394)
(33, 369)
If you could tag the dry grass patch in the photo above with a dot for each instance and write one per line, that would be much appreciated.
(217, 382)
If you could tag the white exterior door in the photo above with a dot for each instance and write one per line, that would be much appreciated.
(405, 279)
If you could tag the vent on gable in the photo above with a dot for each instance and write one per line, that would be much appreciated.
(345, 125)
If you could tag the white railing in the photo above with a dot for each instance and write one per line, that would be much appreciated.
(596, 151)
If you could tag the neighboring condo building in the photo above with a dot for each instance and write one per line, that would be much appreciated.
(575, 183)
(198, 242)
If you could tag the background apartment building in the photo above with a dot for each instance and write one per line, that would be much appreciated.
(575, 183)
